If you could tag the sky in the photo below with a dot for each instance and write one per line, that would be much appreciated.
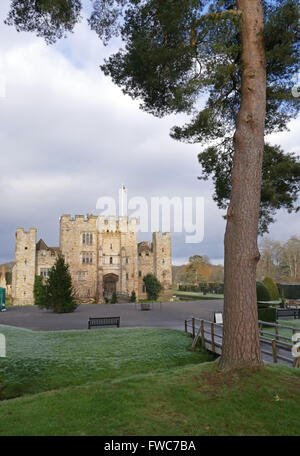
(69, 136)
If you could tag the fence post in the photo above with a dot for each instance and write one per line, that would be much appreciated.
(212, 337)
(276, 331)
(185, 326)
(202, 333)
(274, 347)
(193, 327)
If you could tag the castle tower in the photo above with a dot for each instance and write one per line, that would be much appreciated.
(24, 268)
(162, 258)
(2, 278)
(117, 264)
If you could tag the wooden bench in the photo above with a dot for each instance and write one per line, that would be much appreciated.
(282, 313)
(104, 321)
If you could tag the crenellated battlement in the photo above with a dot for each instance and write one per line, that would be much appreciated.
(22, 230)
(113, 225)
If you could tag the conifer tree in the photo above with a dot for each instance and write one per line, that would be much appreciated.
(61, 296)
(40, 292)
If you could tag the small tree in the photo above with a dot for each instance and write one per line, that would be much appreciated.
(133, 296)
(153, 286)
(272, 287)
(40, 292)
(60, 292)
(114, 298)
(262, 292)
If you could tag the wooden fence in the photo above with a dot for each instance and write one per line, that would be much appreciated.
(275, 347)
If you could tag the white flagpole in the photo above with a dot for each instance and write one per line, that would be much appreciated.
(122, 200)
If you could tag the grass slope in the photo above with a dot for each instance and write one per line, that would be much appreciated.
(138, 382)
(190, 400)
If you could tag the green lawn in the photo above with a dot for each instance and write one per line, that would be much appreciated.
(138, 382)
(42, 361)
(197, 296)
(284, 331)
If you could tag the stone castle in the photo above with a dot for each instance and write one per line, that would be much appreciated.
(104, 256)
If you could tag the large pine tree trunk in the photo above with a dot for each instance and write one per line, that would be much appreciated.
(240, 338)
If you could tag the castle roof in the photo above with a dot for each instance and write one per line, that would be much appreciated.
(41, 245)
(144, 247)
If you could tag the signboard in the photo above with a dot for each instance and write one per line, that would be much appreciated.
(218, 318)
(2, 346)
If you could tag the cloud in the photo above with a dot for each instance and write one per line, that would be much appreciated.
(69, 136)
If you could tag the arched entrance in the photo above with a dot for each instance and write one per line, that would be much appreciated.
(109, 285)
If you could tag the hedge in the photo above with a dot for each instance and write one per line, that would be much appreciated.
(262, 292)
(272, 287)
(291, 291)
(268, 315)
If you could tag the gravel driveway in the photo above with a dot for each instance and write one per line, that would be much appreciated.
(166, 315)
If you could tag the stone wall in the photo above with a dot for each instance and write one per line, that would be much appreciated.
(24, 268)
(79, 254)
(161, 243)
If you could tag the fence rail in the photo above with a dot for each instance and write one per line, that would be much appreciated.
(274, 346)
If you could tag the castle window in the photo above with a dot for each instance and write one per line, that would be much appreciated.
(87, 258)
(126, 260)
(81, 276)
(163, 261)
(26, 248)
(140, 273)
(144, 288)
(126, 275)
(25, 261)
(111, 260)
(44, 272)
(111, 246)
(162, 249)
(87, 238)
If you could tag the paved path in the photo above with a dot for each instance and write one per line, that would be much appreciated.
(168, 315)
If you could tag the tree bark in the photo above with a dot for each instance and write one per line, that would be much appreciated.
(241, 346)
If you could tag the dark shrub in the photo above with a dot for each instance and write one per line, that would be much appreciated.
(133, 297)
(272, 288)
(262, 292)
(267, 314)
(114, 298)
(153, 286)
